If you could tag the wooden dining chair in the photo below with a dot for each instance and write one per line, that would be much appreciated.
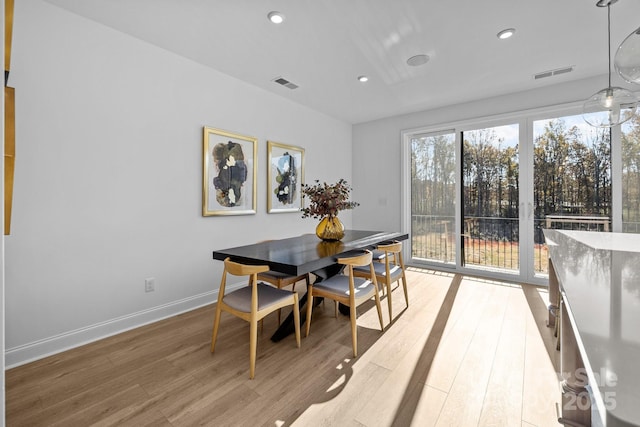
(378, 256)
(347, 290)
(281, 280)
(388, 271)
(252, 303)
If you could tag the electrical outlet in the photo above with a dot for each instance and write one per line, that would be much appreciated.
(149, 284)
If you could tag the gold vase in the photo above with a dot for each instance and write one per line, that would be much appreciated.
(330, 228)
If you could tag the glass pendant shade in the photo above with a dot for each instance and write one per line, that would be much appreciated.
(627, 59)
(609, 107)
(612, 105)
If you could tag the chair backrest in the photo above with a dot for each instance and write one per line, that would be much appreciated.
(362, 259)
(365, 258)
(238, 269)
(394, 247)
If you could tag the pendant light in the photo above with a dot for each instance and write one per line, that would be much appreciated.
(627, 60)
(617, 102)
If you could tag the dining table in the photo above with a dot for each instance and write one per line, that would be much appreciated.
(304, 254)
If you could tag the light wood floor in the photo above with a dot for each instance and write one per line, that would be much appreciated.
(467, 352)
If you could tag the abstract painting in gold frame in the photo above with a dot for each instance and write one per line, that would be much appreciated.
(285, 175)
(229, 173)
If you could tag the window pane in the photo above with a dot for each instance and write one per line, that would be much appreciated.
(631, 175)
(433, 197)
(490, 176)
(571, 179)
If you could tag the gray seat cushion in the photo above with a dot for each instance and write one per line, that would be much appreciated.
(339, 285)
(240, 299)
(394, 270)
(378, 255)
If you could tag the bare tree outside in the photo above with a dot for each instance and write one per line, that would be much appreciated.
(631, 175)
(572, 189)
(433, 189)
(571, 179)
(490, 176)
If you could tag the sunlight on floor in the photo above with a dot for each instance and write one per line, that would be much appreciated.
(338, 383)
(466, 352)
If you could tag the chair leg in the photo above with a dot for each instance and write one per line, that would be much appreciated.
(404, 285)
(335, 308)
(379, 311)
(354, 330)
(296, 318)
(309, 309)
(253, 344)
(216, 324)
(388, 287)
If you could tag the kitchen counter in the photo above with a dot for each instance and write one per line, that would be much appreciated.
(599, 279)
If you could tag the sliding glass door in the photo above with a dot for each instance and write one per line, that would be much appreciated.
(490, 198)
(477, 169)
(433, 190)
(481, 193)
(571, 180)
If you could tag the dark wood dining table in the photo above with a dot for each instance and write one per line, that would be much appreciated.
(305, 254)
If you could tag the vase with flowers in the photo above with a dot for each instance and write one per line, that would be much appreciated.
(325, 201)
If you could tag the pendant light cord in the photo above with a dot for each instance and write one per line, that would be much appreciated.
(609, 39)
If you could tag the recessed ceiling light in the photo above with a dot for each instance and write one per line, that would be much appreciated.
(417, 60)
(363, 79)
(276, 17)
(505, 34)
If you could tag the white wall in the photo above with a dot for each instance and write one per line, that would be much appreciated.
(108, 179)
(377, 168)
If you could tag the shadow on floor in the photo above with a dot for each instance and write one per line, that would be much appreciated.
(539, 310)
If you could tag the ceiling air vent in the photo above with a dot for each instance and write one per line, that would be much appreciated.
(550, 73)
(543, 75)
(286, 83)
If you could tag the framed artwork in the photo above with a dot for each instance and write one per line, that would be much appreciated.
(228, 173)
(285, 175)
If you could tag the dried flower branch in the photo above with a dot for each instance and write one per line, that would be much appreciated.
(326, 199)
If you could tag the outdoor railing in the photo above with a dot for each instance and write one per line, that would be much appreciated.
(562, 222)
(493, 242)
(630, 227)
(578, 222)
(433, 237)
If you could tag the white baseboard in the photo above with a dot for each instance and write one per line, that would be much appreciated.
(36, 350)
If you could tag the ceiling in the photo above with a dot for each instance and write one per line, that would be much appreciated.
(324, 45)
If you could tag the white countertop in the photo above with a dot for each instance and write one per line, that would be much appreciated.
(599, 276)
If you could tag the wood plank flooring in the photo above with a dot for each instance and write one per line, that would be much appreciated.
(466, 352)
